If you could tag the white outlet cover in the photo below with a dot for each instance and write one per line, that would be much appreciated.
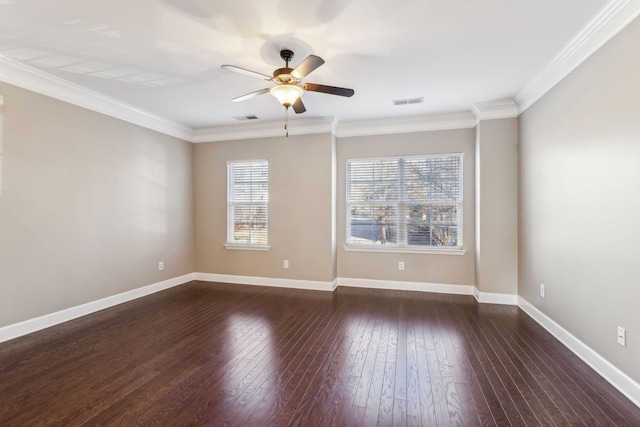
(622, 336)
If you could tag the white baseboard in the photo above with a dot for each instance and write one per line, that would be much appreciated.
(490, 298)
(406, 286)
(32, 325)
(625, 384)
(268, 281)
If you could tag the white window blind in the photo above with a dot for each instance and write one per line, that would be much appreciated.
(248, 203)
(405, 202)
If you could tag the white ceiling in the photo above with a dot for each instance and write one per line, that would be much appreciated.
(164, 56)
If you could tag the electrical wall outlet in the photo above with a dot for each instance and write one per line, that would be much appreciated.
(401, 265)
(285, 264)
(161, 266)
(542, 290)
(622, 336)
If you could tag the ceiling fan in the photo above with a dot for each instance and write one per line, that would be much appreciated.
(289, 87)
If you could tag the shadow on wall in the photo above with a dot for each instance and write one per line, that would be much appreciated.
(149, 188)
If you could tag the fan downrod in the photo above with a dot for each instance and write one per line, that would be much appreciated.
(286, 55)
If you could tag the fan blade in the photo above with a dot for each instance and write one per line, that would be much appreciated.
(246, 72)
(331, 90)
(251, 95)
(298, 106)
(309, 64)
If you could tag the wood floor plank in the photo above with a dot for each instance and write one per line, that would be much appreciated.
(368, 367)
(486, 383)
(553, 392)
(399, 412)
(223, 354)
(540, 403)
(333, 387)
(401, 357)
(511, 398)
(385, 413)
(532, 411)
(472, 401)
(219, 395)
(414, 409)
(595, 387)
(303, 383)
(430, 399)
(454, 409)
(374, 394)
(562, 379)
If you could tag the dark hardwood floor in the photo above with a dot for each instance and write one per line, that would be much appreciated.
(219, 354)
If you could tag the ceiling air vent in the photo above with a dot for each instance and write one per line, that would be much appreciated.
(251, 117)
(408, 101)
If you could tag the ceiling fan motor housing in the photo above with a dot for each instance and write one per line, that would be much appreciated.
(284, 76)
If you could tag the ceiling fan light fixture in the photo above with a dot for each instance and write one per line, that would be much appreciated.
(287, 94)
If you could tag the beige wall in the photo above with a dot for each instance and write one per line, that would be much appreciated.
(89, 206)
(497, 206)
(423, 268)
(300, 208)
(580, 201)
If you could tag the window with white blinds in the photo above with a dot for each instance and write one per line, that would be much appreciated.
(413, 202)
(248, 203)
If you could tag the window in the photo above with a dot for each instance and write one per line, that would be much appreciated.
(405, 202)
(248, 204)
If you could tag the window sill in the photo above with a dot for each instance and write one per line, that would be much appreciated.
(406, 250)
(246, 247)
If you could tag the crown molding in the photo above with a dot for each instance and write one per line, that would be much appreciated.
(32, 79)
(607, 23)
(504, 109)
(461, 120)
(335, 125)
(263, 130)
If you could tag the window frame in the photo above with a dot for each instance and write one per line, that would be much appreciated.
(231, 243)
(402, 246)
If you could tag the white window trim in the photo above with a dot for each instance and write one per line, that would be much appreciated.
(247, 246)
(404, 248)
(431, 250)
